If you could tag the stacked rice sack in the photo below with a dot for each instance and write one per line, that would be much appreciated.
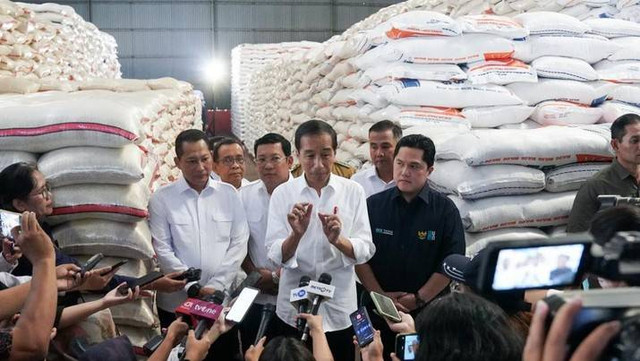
(51, 41)
(519, 107)
(103, 149)
(246, 59)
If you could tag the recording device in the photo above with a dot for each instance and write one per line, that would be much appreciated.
(321, 290)
(242, 304)
(599, 306)
(385, 307)
(251, 281)
(267, 314)
(208, 310)
(114, 267)
(152, 345)
(406, 346)
(300, 300)
(9, 221)
(91, 263)
(142, 281)
(362, 326)
(559, 262)
(608, 201)
(191, 275)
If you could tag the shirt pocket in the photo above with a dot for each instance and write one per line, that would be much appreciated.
(181, 226)
(222, 223)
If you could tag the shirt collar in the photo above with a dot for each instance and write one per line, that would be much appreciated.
(304, 185)
(619, 170)
(424, 193)
(183, 186)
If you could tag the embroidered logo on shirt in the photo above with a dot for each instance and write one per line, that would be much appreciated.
(428, 235)
(384, 231)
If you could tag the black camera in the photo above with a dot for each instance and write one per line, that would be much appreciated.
(191, 275)
(564, 261)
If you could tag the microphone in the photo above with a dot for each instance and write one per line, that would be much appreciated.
(209, 315)
(325, 279)
(267, 314)
(302, 304)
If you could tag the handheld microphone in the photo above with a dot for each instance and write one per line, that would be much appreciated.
(208, 314)
(302, 304)
(267, 314)
(325, 278)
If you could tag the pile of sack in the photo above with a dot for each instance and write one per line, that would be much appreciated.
(102, 148)
(51, 41)
(519, 107)
(246, 59)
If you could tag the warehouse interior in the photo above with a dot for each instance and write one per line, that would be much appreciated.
(328, 180)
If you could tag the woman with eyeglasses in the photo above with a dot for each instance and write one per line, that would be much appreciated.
(24, 188)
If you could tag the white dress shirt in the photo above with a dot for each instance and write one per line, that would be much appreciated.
(255, 199)
(369, 180)
(214, 176)
(10, 280)
(6, 266)
(206, 230)
(315, 255)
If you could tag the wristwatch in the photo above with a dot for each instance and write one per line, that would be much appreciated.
(419, 301)
(275, 278)
(194, 290)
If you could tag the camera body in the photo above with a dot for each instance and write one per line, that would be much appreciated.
(564, 261)
(191, 275)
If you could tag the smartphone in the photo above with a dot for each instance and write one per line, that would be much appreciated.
(385, 307)
(91, 263)
(251, 281)
(406, 346)
(362, 326)
(115, 266)
(8, 221)
(531, 264)
(242, 304)
(142, 281)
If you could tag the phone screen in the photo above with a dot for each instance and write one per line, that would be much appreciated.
(409, 346)
(537, 267)
(362, 326)
(242, 304)
(8, 221)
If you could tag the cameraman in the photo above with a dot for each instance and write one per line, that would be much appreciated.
(620, 178)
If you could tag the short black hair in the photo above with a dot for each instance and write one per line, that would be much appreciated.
(189, 136)
(618, 130)
(226, 141)
(273, 138)
(286, 349)
(316, 127)
(607, 222)
(384, 125)
(463, 326)
(16, 182)
(418, 141)
(215, 139)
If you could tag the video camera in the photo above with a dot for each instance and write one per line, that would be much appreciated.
(608, 201)
(563, 262)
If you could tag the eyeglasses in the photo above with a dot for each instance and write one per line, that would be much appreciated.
(276, 159)
(45, 192)
(228, 161)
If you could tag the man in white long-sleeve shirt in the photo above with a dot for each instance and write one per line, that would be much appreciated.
(197, 222)
(318, 223)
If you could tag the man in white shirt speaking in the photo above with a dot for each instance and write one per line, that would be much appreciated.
(383, 137)
(274, 161)
(197, 222)
(318, 223)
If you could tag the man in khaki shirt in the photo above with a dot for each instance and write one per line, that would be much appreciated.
(620, 178)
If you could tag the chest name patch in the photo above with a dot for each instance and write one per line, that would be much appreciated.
(384, 231)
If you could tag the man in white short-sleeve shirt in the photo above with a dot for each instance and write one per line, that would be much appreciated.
(318, 223)
(383, 137)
